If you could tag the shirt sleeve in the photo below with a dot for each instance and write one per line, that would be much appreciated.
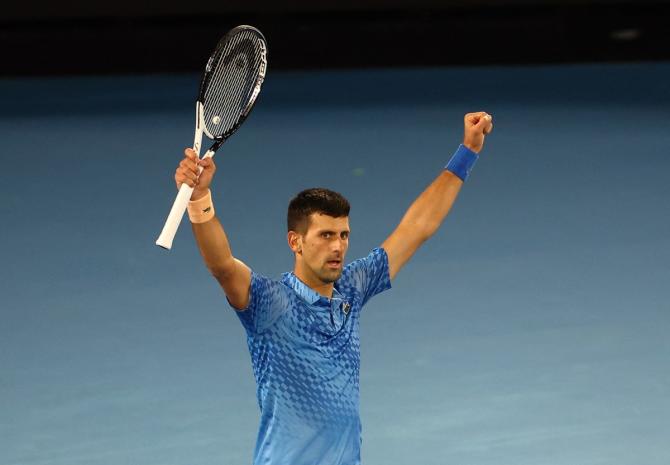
(369, 275)
(268, 299)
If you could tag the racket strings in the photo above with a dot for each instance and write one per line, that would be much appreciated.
(227, 98)
(234, 75)
(226, 82)
(245, 70)
(238, 69)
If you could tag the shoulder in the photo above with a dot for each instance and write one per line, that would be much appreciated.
(266, 291)
(268, 301)
(368, 275)
(377, 259)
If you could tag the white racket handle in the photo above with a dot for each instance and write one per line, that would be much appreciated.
(177, 212)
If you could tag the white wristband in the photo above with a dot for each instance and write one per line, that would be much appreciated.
(201, 210)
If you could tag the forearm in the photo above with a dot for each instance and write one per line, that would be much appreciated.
(427, 212)
(214, 247)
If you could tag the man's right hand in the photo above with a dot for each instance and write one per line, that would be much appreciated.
(187, 172)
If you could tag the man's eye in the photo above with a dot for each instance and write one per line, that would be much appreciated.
(345, 235)
(325, 235)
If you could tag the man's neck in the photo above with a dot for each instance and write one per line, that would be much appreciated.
(318, 286)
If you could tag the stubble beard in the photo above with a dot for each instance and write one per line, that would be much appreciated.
(330, 276)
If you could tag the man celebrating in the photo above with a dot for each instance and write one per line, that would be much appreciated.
(303, 331)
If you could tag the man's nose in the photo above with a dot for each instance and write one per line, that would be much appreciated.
(338, 245)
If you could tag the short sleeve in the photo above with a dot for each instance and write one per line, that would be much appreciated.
(369, 275)
(268, 299)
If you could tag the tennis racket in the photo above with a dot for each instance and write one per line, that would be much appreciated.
(228, 91)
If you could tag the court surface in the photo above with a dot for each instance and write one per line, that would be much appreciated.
(531, 329)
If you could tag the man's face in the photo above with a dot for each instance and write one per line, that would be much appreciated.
(324, 246)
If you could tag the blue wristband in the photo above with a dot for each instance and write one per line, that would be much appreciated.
(461, 162)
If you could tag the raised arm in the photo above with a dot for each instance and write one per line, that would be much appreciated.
(232, 274)
(427, 212)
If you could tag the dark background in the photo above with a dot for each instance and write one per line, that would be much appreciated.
(81, 37)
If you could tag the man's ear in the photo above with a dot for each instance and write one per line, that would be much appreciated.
(294, 241)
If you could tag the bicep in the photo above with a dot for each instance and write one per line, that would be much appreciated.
(400, 246)
(236, 285)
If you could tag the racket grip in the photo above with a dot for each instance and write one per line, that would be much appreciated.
(174, 218)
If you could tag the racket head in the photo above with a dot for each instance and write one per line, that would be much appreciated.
(232, 81)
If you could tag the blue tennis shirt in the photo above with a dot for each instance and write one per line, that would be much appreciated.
(305, 351)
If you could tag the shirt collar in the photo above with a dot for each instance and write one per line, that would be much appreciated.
(305, 292)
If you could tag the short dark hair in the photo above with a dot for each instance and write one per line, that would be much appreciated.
(315, 200)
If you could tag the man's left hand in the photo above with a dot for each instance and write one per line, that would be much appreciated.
(477, 127)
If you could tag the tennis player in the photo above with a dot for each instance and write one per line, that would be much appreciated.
(303, 330)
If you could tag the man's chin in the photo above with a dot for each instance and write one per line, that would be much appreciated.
(331, 276)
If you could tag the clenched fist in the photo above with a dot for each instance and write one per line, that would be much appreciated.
(196, 173)
(477, 127)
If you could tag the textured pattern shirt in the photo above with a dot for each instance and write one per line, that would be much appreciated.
(305, 351)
